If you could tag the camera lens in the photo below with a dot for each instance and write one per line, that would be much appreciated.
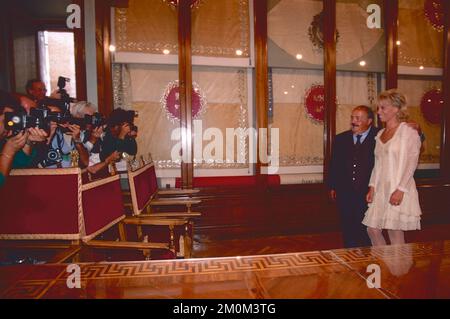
(52, 155)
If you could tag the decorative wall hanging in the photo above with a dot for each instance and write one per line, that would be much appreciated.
(194, 3)
(315, 103)
(431, 105)
(170, 101)
(315, 32)
(434, 13)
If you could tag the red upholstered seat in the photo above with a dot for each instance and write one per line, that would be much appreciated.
(41, 204)
(143, 187)
(102, 205)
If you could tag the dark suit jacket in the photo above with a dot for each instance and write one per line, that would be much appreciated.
(349, 170)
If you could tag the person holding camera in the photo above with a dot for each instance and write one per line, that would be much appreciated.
(120, 134)
(92, 136)
(62, 140)
(15, 151)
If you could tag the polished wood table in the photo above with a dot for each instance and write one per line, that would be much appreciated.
(406, 271)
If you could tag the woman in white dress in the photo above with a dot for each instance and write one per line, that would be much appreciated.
(392, 197)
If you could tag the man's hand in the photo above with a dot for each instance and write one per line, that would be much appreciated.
(133, 134)
(415, 126)
(370, 193)
(55, 95)
(396, 198)
(125, 129)
(36, 135)
(114, 157)
(96, 134)
(74, 131)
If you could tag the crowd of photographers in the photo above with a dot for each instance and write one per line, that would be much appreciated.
(37, 131)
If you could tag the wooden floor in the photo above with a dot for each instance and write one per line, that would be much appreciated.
(406, 271)
(296, 266)
(260, 245)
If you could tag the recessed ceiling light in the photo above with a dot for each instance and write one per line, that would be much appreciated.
(299, 56)
(398, 42)
(421, 67)
(362, 63)
(285, 92)
(239, 52)
(166, 51)
(112, 48)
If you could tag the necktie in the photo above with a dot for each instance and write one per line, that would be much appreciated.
(358, 139)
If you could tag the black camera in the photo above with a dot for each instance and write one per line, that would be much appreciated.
(61, 90)
(130, 115)
(96, 120)
(17, 122)
(53, 157)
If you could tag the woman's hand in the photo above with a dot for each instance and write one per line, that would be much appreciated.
(370, 193)
(14, 144)
(396, 198)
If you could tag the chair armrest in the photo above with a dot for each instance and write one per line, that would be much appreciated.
(174, 201)
(178, 191)
(171, 214)
(125, 245)
(155, 221)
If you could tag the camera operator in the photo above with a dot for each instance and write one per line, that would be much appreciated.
(63, 139)
(15, 151)
(120, 134)
(92, 137)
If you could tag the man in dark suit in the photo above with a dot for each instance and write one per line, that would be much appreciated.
(350, 169)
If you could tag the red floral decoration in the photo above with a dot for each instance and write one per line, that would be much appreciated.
(170, 101)
(434, 12)
(431, 105)
(315, 103)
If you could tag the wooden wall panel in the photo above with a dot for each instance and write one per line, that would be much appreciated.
(290, 209)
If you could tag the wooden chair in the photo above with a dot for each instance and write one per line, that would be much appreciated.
(50, 206)
(145, 197)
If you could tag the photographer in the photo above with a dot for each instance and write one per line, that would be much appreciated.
(15, 151)
(120, 134)
(62, 140)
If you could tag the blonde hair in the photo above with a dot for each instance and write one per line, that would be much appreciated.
(396, 99)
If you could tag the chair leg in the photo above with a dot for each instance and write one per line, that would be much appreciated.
(122, 232)
(139, 232)
(188, 242)
(172, 239)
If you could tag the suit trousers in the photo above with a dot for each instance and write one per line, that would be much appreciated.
(352, 206)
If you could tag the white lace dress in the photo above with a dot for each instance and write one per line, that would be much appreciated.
(395, 163)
